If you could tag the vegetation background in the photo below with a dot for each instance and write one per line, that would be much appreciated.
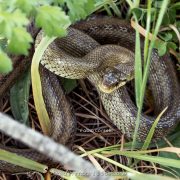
(157, 20)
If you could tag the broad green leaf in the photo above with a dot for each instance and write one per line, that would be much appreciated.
(22, 161)
(52, 20)
(8, 21)
(69, 84)
(26, 5)
(171, 45)
(172, 15)
(5, 63)
(80, 9)
(175, 5)
(167, 36)
(60, 2)
(138, 12)
(162, 48)
(166, 20)
(19, 18)
(178, 25)
(19, 96)
(20, 41)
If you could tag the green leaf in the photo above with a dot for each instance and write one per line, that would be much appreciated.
(165, 20)
(169, 17)
(60, 2)
(80, 9)
(19, 96)
(167, 36)
(69, 84)
(20, 41)
(52, 20)
(26, 5)
(171, 45)
(10, 20)
(175, 5)
(178, 25)
(172, 15)
(161, 46)
(5, 63)
(138, 12)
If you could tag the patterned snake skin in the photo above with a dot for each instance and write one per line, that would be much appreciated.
(85, 53)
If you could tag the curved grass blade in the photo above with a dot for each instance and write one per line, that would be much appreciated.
(115, 163)
(36, 85)
(160, 160)
(151, 132)
(22, 161)
(19, 95)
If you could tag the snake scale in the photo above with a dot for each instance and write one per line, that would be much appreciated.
(90, 48)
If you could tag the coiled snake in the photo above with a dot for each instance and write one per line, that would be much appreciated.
(103, 45)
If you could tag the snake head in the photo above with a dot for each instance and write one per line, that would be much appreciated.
(114, 79)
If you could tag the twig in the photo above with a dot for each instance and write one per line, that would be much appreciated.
(48, 147)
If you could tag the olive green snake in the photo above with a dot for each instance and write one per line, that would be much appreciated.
(92, 47)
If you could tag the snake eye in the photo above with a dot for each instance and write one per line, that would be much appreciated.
(109, 81)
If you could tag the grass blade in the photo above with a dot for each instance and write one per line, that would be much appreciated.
(160, 160)
(138, 66)
(36, 85)
(115, 163)
(148, 177)
(146, 68)
(22, 161)
(151, 132)
(148, 24)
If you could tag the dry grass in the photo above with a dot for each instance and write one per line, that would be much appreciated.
(94, 129)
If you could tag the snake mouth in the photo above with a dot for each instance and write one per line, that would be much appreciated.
(109, 89)
(114, 78)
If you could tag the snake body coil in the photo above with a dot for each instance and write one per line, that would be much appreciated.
(85, 53)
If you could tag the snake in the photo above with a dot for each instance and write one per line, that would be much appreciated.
(101, 49)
